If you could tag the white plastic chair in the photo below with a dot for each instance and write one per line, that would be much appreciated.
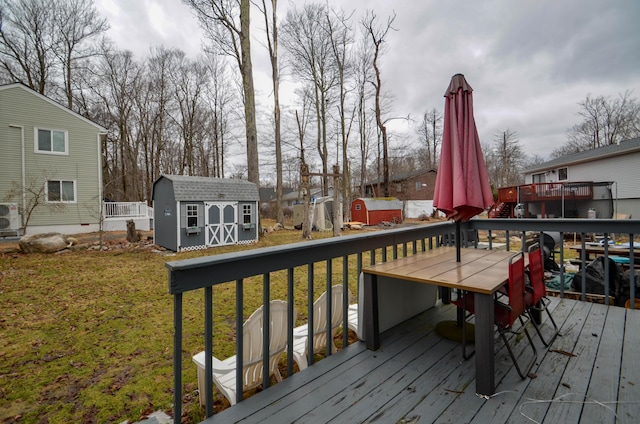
(300, 334)
(352, 318)
(224, 375)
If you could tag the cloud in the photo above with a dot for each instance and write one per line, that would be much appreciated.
(529, 62)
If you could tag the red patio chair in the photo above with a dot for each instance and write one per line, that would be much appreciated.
(537, 300)
(506, 314)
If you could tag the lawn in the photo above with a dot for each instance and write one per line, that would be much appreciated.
(87, 336)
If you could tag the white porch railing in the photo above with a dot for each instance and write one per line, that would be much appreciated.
(127, 209)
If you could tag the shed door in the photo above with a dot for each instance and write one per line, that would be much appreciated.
(221, 223)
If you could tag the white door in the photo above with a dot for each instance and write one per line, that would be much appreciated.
(221, 223)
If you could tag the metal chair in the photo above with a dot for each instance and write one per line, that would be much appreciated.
(536, 299)
(505, 314)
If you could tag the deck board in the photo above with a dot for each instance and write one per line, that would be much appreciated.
(417, 376)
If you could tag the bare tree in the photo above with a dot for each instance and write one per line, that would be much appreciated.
(306, 41)
(340, 35)
(227, 25)
(271, 29)
(506, 159)
(364, 56)
(605, 121)
(76, 22)
(27, 39)
(378, 33)
(33, 195)
(430, 134)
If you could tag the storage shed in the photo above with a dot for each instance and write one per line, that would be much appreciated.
(192, 213)
(373, 211)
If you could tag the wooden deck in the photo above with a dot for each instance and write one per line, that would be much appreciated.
(591, 374)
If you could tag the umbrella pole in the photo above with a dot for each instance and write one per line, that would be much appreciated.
(458, 240)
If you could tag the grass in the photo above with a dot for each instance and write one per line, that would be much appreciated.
(87, 336)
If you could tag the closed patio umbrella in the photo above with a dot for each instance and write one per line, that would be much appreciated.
(462, 188)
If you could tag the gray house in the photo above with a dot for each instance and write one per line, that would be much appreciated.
(193, 213)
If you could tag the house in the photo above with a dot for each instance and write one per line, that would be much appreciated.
(416, 185)
(377, 210)
(200, 212)
(611, 171)
(50, 165)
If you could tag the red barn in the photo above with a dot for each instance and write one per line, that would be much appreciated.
(373, 211)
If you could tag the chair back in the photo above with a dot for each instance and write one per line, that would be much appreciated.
(252, 342)
(320, 311)
(517, 302)
(536, 273)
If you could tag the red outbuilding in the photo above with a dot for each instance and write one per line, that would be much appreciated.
(373, 211)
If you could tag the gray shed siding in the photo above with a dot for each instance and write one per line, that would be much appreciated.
(222, 207)
(165, 215)
(22, 112)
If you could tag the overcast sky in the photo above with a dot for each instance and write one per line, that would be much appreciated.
(529, 62)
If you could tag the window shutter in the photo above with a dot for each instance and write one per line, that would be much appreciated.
(200, 215)
(183, 215)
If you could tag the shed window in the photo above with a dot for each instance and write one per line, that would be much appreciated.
(247, 214)
(61, 191)
(192, 215)
(562, 174)
(358, 206)
(51, 141)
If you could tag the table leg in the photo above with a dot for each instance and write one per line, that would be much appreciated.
(485, 378)
(370, 312)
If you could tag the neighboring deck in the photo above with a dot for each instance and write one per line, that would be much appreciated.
(591, 374)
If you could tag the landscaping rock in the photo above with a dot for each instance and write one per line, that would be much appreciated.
(43, 243)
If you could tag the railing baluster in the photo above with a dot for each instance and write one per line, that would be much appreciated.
(310, 283)
(266, 328)
(208, 349)
(239, 339)
(329, 270)
(290, 321)
(345, 300)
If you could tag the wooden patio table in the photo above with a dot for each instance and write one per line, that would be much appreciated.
(482, 272)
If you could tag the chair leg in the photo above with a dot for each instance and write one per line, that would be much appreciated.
(544, 306)
(527, 369)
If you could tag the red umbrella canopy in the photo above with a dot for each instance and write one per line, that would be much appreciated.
(462, 186)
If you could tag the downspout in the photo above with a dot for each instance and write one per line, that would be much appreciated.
(23, 174)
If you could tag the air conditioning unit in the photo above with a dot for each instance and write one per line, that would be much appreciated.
(9, 217)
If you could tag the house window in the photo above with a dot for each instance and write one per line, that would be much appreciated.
(562, 174)
(51, 141)
(246, 214)
(61, 191)
(399, 188)
(418, 186)
(192, 215)
(538, 178)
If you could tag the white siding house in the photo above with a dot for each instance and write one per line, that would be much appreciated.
(618, 164)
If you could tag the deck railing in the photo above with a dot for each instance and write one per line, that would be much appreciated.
(282, 264)
(127, 210)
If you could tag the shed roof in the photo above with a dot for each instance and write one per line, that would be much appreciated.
(381, 204)
(191, 188)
